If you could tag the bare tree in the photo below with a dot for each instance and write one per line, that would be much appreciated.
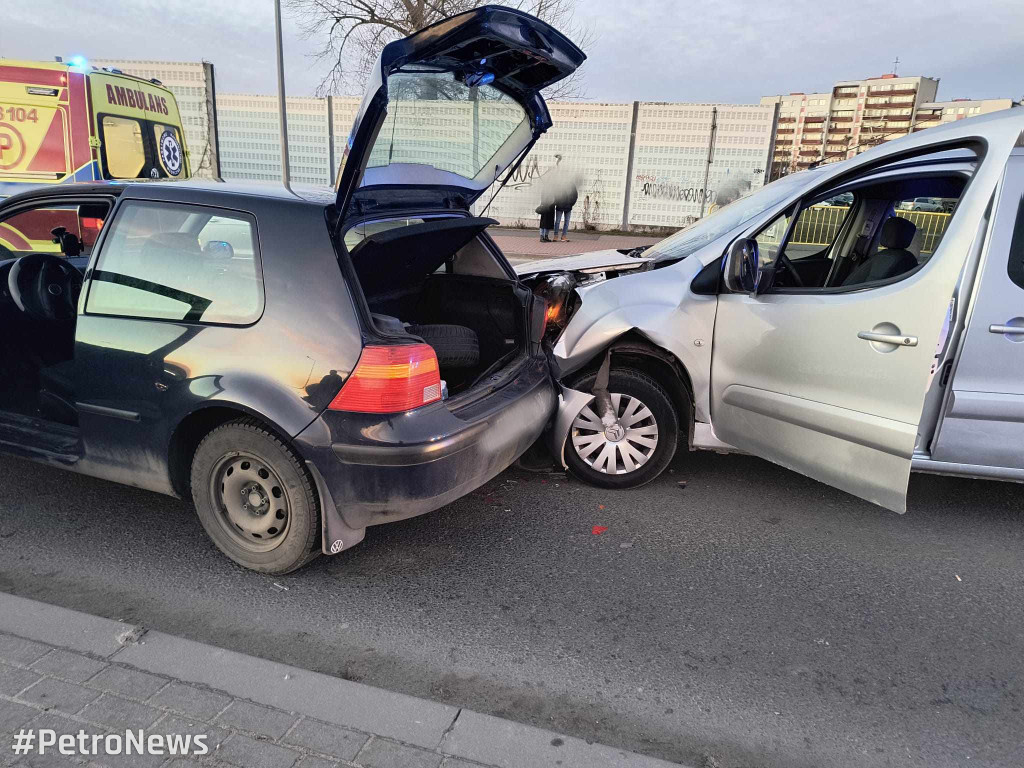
(353, 32)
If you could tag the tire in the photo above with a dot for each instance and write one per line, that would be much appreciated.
(456, 346)
(627, 388)
(273, 524)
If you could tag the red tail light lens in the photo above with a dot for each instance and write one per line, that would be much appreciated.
(391, 379)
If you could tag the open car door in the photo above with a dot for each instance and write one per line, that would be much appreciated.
(449, 108)
(831, 382)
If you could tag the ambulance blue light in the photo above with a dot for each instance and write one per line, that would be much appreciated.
(79, 61)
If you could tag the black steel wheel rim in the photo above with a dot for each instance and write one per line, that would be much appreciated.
(250, 502)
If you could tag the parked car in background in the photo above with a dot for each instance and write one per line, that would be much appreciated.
(853, 358)
(302, 367)
(929, 204)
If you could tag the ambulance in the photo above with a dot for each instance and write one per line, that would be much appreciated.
(68, 121)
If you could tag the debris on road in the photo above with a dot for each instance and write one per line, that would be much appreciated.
(131, 636)
(958, 577)
(597, 530)
(681, 483)
(281, 587)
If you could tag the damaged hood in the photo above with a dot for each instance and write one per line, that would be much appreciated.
(595, 260)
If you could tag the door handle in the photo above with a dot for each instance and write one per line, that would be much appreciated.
(1005, 329)
(888, 338)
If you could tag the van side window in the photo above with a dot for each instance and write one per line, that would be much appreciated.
(885, 233)
(164, 261)
(123, 147)
(1015, 267)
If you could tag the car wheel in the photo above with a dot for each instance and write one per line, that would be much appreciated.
(641, 443)
(255, 498)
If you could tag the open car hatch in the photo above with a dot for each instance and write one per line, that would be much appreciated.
(449, 108)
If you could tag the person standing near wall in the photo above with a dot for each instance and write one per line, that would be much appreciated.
(565, 199)
(546, 209)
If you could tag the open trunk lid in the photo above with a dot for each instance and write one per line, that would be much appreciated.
(449, 108)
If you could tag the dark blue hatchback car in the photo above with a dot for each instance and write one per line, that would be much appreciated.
(302, 366)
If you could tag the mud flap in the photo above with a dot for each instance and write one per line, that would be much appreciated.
(336, 536)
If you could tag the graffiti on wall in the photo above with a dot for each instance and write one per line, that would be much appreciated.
(525, 174)
(650, 186)
(661, 188)
(523, 190)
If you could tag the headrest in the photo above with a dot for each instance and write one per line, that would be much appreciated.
(898, 233)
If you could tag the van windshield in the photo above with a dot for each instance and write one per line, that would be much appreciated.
(729, 217)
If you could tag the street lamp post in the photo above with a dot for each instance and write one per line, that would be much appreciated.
(281, 104)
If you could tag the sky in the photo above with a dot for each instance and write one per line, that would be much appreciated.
(732, 51)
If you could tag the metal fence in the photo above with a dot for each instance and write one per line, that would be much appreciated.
(819, 225)
(932, 227)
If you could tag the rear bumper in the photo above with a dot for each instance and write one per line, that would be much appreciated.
(377, 469)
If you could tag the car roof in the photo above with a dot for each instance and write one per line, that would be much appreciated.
(183, 191)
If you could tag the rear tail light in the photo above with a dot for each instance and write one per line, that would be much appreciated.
(391, 379)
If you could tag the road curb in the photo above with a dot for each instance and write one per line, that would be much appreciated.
(447, 730)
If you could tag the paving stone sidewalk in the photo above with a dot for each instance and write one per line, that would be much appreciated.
(69, 672)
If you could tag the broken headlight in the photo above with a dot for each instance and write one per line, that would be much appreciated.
(558, 290)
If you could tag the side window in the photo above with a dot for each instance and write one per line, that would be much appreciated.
(1015, 267)
(897, 232)
(769, 240)
(930, 216)
(818, 226)
(124, 147)
(32, 230)
(164, 261)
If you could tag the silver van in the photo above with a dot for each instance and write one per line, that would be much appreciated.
(853, 342)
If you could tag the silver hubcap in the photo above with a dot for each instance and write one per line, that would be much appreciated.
(623, 446)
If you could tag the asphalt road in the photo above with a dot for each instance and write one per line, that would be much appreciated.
(753, 618)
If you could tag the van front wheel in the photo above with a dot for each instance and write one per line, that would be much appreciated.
(636, 446)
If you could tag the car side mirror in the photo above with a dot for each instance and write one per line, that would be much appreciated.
(745, 264)
(219, 249)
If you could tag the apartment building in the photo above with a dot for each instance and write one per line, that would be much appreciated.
(194, 88)
(854, 116)
(934, 113)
